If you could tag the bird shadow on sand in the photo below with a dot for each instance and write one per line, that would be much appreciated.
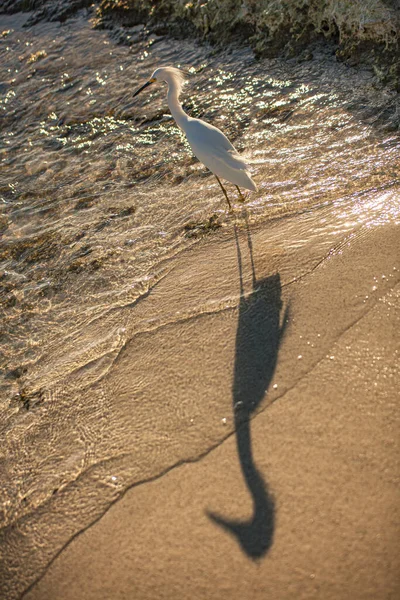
(258, 338)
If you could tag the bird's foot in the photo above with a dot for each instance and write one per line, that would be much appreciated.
(242, 197)
(234, 210)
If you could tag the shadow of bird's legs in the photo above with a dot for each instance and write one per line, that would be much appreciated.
(250, 245)
(241, 197)
(224, 192)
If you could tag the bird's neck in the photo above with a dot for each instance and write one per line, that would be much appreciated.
(176, 108)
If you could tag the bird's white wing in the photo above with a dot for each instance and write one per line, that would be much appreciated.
(231, 158)
(205, 139)
(204, 135)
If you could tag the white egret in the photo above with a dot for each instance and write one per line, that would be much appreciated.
(208, 143)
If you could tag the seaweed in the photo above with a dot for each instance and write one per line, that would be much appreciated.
(195, 229)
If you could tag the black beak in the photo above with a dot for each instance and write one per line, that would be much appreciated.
(142, 88)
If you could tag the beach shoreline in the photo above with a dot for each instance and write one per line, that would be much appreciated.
(324, 442)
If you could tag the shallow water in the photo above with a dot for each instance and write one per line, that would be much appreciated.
(97, 193)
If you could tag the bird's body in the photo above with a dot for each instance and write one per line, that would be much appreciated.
(207, 142)
(215, 151)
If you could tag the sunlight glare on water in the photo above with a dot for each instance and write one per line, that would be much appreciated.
(97, 188)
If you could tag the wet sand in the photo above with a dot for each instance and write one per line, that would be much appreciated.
(304, 502)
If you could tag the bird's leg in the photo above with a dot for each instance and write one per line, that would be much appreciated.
(224, 191)
(242, 198)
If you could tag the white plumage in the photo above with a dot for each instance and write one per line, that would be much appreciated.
(208, 143)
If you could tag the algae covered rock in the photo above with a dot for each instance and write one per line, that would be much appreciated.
(362, 32)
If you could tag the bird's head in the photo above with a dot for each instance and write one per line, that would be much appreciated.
(170, 75)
